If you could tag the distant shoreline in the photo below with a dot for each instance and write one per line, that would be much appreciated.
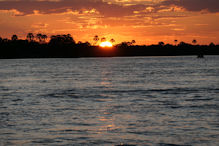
(26, 49)
(1, 58)
(103, 57)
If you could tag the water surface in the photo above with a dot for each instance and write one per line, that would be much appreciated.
(110, 101)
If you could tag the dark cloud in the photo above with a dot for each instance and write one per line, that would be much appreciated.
(105, 9)
(47, 7)
(195, 5)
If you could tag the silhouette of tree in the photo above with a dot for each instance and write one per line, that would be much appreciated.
(161, 43)
(5, 40)
(30, 37)
(52, 37)
(103, 39)
(129, 43)
(80, 42)
(0, 39)
(175, 41)
(44, 37)
(87, 43)
(62, 39)
(133, 42)
(55, 39)
(112, 41)
(39, 37)
(123, 45)
(69, 39)
(84, 45)
(183, 44)
(211, 44)
(14, 37)
(96, 39)
(194, 41)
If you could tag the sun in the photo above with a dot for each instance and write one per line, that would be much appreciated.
(106, 44)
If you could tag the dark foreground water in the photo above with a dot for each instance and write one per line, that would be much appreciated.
(110, 101)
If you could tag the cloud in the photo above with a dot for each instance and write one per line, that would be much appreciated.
(195, 5)
(107, 8)
(58, 6)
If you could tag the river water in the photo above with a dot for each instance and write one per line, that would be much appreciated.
(110, 101)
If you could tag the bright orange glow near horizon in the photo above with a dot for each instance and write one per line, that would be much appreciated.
(145, 21)
(106, 44)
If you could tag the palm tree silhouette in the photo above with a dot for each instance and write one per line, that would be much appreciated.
(103, 39)
(44, 37)
(14, 37)
(39, 37)
(175, 42)
(194, 41)
(96, 39)
(30, 37)
(161, 43)
(112, 41)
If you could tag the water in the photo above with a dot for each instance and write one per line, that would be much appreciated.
(110, 101)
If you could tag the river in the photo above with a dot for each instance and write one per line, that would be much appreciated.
(110, 101)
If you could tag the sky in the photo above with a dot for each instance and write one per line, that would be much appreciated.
(145, 21)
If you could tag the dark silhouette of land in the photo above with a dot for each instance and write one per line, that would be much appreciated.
(64, 46)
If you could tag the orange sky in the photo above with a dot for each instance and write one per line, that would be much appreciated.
(146, 21)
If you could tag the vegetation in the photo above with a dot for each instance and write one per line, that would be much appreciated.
(64, 46)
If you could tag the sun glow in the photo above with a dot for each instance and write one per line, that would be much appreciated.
(106, 44)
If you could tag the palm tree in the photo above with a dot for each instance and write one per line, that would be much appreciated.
(30, 37)
(39, 37)
(175, 42)
(194, 41)
(14, 37)
(161, 43)
(96, 39)
(44, 37)
(103, 39)
(112, 41)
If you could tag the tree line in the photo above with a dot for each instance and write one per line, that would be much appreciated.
(64, 46)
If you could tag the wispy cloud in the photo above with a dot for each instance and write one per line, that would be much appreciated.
(195, 5)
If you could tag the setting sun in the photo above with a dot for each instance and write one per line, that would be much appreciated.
(106, 44)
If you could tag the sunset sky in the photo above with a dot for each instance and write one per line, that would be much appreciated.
(146, 21)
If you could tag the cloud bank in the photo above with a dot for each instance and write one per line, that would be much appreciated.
(106, 8)
(48, 7)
